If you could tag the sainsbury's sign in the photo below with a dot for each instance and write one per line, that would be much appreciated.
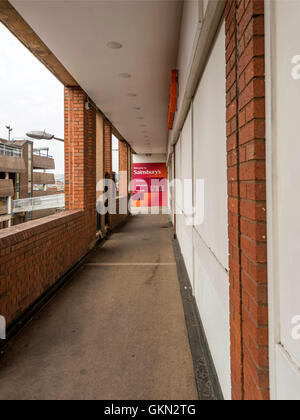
(149, 185)
(149, 170)
(146, 172)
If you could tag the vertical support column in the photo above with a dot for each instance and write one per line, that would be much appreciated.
(123, 168)
(107, 147)
(237, 374)
(90, 161)
(9, 209)
(108, 162)
(175, 192)
(80, 156)
(99, 152)
(74, 148)
(9, 203)
(129, 167)
(245, 99)
(129, 171)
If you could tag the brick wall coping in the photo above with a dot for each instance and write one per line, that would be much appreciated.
(12, 236)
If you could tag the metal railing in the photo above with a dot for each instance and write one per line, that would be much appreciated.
(8, 150)
(55, 201)
(42, 154)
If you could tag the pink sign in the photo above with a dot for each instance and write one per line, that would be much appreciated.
(150, 184)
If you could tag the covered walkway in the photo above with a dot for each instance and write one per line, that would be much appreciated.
(115, 331)
(158, 75)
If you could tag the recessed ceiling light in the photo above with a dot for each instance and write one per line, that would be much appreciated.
(125, 75)
(137, 108)
(132, 95)
(114, 45)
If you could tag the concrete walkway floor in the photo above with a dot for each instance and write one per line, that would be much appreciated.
(115, 331)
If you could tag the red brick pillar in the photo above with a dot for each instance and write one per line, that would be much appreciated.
(107, 147)
(245, 98)
(123, 156)
(80, 152)
(123, 168)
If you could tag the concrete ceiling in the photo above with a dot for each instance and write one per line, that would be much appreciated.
(78, 33)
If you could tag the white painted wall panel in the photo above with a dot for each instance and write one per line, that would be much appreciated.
(212, 297)
(189, 27)
(201, 153)
(210, 239)
(288, 169)
(283, 192)
(210, 150)
(287, 384)
(173, 189)
(178, 192)
(187, 180)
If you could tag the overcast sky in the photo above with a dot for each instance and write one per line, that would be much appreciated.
(31, 97)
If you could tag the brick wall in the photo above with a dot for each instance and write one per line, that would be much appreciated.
(116, 219)
(33, 256)
(80, 151)
(123, 156)
(245, 99)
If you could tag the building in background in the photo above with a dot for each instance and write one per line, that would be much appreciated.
(24, 174)
(12, 167)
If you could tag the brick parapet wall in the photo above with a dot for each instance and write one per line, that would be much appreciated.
(245, 101)
(33, 256)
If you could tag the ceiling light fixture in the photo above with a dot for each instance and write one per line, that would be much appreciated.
(132, 95)
(114, 45)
